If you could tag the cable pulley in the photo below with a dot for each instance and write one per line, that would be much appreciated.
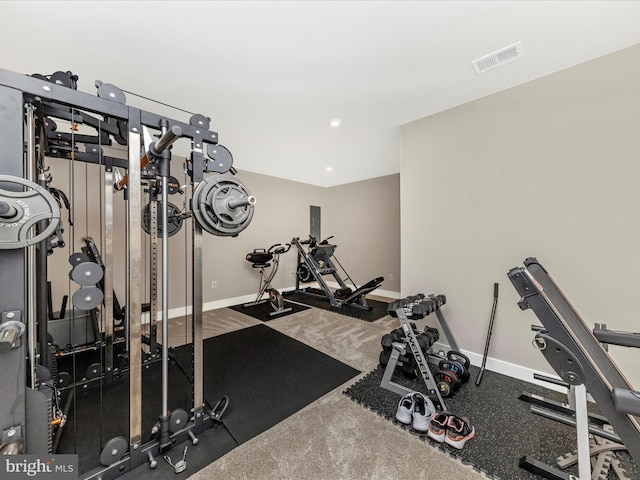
(22, 210)
(222, 206)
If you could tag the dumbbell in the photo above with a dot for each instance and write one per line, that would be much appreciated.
(409, 366)
(395, 305)
(424, 308)
(415, 298)
(383, 358)
(433, 334)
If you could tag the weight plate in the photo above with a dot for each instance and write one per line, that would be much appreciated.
(174, 220)
(87, 273)
(28, 208)
(174, 186)
(93, 371)
(222, 206)
(113, 450)
(87, 298)
(221, 158)
(178, 420)
(77, 258)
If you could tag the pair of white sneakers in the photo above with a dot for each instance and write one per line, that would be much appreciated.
(415, 409)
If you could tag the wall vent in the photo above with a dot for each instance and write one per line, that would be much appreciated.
(498, 58)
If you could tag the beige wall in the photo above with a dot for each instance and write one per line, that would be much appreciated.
(548, 169)
(364, 218)
(354, 214)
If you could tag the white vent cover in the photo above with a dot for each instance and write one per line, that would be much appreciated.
(498, 58)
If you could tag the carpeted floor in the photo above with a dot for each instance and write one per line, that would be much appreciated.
(378, 308)
(505, 428)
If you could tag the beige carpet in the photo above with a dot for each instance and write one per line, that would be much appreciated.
(333, 438)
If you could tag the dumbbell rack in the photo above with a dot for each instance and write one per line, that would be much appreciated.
(399, 349)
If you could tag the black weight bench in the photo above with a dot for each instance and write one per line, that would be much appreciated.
(368, 287)
(613, 394)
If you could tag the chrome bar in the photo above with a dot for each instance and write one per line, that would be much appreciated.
(134, 309)
(107, 261)
(165, 297)
(196, 312)
(30, 258)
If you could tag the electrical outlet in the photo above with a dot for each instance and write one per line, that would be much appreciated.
(214, 284)
(390, 276)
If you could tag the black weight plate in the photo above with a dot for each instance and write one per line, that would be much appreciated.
(174, 186)
(174, 221)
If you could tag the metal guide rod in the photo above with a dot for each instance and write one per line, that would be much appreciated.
(196, 272)
(133, 310)
(31, 255)
(107, 262)
(165, 297)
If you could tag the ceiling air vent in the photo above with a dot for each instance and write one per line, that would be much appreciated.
(498, 58)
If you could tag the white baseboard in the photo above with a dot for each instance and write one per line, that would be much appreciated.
(505, 368)
(494, 365)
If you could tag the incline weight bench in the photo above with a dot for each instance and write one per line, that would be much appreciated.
(578, 357)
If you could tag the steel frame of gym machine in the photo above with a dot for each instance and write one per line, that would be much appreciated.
(355, 298)
(23, 297)
(578, 356)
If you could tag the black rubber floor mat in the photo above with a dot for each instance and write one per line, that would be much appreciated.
(378, 311)
(267, 376)
(505, 428)
(265, 312)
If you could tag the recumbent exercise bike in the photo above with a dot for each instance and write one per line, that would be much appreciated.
(260, 258)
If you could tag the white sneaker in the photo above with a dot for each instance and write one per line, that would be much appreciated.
(423, 408)
(405, 409)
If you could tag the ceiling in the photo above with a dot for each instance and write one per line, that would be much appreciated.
(271, 74)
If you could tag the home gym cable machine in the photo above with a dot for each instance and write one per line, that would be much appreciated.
(30, 215)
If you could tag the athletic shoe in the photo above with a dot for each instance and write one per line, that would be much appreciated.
(405, 409)
(423, 409)
(438, 426)
(459, 430)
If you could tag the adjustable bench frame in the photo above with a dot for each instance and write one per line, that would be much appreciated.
(602, 378)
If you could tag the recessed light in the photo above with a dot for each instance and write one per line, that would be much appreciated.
(336, 122)
(329, 169)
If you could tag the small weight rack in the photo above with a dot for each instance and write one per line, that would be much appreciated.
(399, 349)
